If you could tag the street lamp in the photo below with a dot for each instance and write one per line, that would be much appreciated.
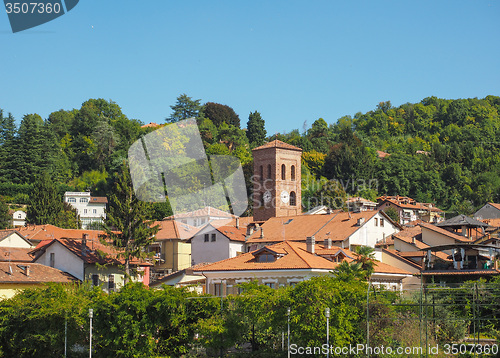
(288, 314)
(327, 314)
(91, 314)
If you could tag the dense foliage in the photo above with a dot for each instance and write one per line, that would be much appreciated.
(441, 151)
(172, 322)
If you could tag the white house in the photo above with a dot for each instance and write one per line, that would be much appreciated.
(91, 209)
(213, 244)
(18, 218)
(344, 229)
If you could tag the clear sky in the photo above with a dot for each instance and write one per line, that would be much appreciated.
(293, 61)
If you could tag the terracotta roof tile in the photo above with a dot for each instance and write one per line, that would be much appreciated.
(171, 229)
(294, 256)
(337, 226)
(98, 200)
(444, 232)
(460, 272)
(277, 144)
(206, 211)
(232, 233)
(37, 233)
(15, 254)
(38, 273)
(93, 252)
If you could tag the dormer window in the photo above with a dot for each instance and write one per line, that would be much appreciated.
(266, 257)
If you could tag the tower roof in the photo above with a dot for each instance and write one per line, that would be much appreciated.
(278, 144)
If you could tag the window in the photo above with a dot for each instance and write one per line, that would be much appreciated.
(283, 172)
(292, 172)
(269, 171)
(207, 237)
(261, 173)
(217, 289)
(52, 259)
(111, 282)
(19, 216)
(95, 280)
(240, 290)
(382, 222)
(293, 199)
(71, 200)
(376, 222)
(94, 211)
(270, 284)
(266, 258)
(293, 284)
(213, 237)
(85, 211)
(84, 200)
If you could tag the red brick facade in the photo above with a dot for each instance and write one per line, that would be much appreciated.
(277, 178)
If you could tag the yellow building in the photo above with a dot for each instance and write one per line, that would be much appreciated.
(18, 276)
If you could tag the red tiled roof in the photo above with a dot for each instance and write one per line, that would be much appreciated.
(294, 256)
(407, 203)
(278, 144)
(337, 226)
(382, 155)
(98, 200)
(39, 233)
(94, 252)
(15, 254)
(206, 211)
(38, 273)
(444, 232)
(232, 233)
(150, 124)
(460, 272)
(171, 229)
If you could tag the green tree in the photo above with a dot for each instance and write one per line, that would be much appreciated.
(365, 256)
(5, 217)
(45, 202)
(184, 108)
(126, 223)
(256, 131)
(220, 113)
(392, 213)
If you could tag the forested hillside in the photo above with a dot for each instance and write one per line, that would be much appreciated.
(441, 151)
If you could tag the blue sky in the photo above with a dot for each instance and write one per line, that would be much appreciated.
(293, 61)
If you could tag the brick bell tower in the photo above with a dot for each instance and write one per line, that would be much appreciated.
(276, 180)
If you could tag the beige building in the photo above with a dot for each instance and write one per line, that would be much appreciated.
(286, 264)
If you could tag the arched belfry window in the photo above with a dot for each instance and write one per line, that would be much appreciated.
(283, 172)
(292, 172)
(293, 199)
(269, 171)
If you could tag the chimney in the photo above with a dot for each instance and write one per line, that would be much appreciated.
(261, 232)
(27, 270)
(237, 222)
(84, 242)
(328, 243)
(310, 243)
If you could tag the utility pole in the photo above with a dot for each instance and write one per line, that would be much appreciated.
(91, 314)
(327, 314)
